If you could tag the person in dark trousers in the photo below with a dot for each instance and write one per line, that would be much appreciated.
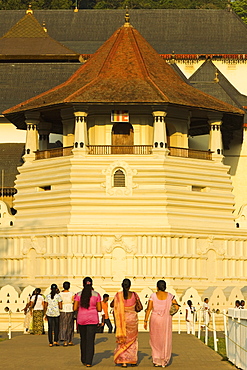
(88, 304)
(105, 309)
(52, 306)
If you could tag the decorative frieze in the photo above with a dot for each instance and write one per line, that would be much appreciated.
(179, 258)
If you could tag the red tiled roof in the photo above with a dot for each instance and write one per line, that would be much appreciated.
(125, 70)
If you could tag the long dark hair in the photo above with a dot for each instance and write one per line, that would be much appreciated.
(37, 293)
(161, 285)
(86, 293)
(53, 290)
(126, 284)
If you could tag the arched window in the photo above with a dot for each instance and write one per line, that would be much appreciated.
(119, 179)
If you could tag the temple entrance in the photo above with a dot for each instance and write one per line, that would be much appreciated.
(122, 138)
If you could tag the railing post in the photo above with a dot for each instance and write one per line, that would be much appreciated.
(206, 326)
(214, 332)
(179, 322)
(225, 332)
(9, 324)
(199, 324)
(194, 323)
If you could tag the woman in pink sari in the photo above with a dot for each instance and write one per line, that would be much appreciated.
(160, 324)
(124, 304)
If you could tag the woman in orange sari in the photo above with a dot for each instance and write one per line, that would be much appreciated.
(124, 304)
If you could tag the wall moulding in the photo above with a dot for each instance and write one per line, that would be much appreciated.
(39, 244)
(35, 258)
(204, 245)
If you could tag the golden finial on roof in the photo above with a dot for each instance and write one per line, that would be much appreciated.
(44, 26)
(216, 79)
(29, 10)
(173, 58)
(127, 18)
(76, 10)
(229, 6)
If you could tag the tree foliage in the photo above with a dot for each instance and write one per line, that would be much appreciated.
(115, 4)
(160, 4)
(36, 4)
(239, 6)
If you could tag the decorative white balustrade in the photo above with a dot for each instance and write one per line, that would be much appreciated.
(237, 337)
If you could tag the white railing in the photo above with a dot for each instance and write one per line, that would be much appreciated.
(237, 337)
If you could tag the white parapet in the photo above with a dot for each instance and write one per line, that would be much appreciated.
(237, 321)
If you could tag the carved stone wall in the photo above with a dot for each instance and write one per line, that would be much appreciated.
(181, 260)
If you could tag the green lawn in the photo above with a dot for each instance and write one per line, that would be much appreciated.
(221, 345)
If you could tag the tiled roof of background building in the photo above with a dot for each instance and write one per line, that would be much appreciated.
(21, 81)
(204, 79)
(10, 158)
(184, 31)
(28, 39)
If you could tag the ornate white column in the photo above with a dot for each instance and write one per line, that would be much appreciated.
(68, 121)
(215, 139)
(81, 135)
(32, 121)
(44, 132)
(43, 140)
(160, 137)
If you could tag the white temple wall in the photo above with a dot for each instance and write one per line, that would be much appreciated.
(188, 67)
(182, 261)
(82, 195)
(235, 72)
(236, 158)
(9, 133)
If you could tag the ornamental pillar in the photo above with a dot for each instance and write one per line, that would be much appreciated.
(43, 140)
(68, 121)
(32, 120)
(160, 137)
(44, 129)
(215, 138)
(81, 136)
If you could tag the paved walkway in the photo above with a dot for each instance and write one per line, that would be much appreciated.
(32, 352)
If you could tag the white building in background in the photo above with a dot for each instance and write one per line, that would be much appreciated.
(127, 194)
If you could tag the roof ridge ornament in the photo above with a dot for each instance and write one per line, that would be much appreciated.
(173, 58)
(216, 79)
(29, 10)
(44, 26)
(127, 18)
(229, 6)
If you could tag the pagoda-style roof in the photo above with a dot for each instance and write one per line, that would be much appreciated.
(28, 40)
(126, 70)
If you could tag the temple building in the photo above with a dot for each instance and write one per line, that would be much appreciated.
(41, 50)
(126, 194)
(128, 169)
